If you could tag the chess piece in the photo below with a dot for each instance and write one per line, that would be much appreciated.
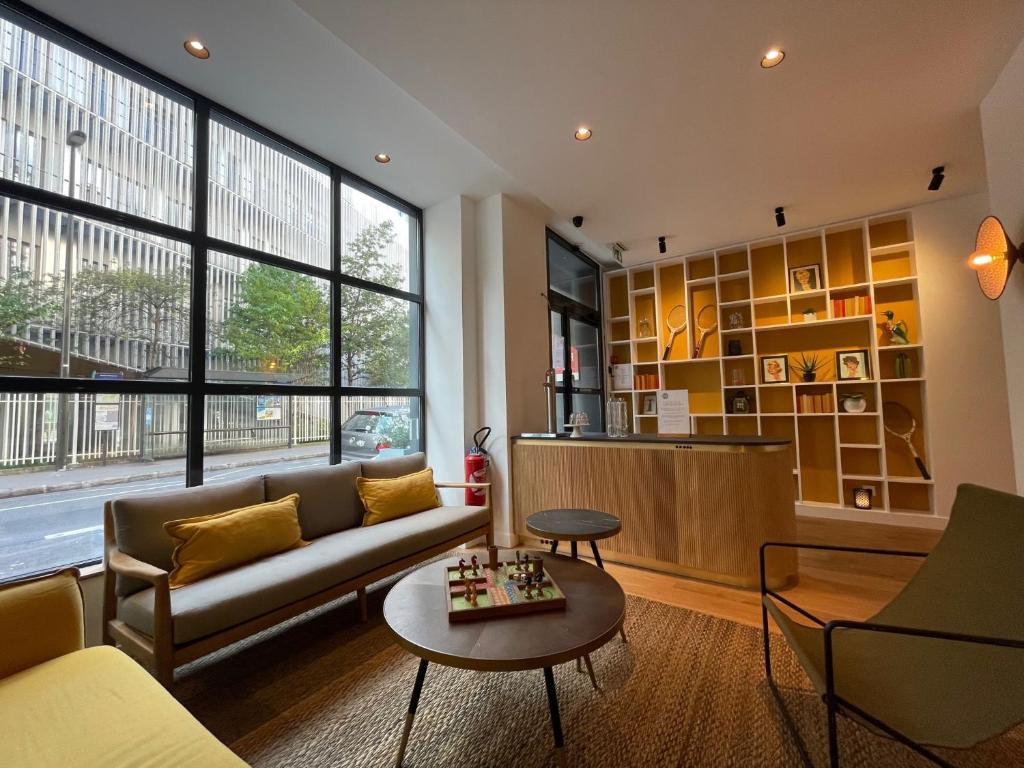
(462, 567)
(471, 592)
(538, 564)
(476, 571)
(492, 557)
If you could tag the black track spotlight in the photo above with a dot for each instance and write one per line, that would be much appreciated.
(662, 248)
(938, 174)
(780, 217)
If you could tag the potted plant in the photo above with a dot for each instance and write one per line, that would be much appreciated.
(808, 367)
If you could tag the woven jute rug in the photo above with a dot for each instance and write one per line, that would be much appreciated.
(686, 690)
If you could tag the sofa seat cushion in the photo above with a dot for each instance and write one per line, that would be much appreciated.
(98, 707)
(228, 599)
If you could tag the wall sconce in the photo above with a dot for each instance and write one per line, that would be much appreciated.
(862, 497)
(993, 258)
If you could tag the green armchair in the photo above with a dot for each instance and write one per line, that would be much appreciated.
(943, 663)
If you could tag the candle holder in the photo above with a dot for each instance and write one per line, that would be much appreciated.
(862, 496)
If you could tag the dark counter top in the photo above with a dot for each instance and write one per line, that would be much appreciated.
(601, 437)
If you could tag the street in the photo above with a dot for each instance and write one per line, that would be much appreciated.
(44, 531)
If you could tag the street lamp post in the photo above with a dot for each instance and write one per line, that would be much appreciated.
(75, 140)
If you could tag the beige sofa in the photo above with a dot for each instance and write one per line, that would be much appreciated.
(167, 628)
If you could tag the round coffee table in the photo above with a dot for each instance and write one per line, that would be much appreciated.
(574, 525)
(417, 614)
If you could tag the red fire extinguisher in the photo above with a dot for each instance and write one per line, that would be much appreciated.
(476, 465)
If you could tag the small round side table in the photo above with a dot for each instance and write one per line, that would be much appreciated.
(576, 525)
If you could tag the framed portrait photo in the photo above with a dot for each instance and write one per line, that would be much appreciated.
(650, 405)
(775, 369)
(805, 278)
(853, 365)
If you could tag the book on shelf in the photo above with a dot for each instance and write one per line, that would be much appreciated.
(645, 381)
(815, 403)
(852, 306)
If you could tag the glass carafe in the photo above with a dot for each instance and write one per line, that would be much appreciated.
(617, 418)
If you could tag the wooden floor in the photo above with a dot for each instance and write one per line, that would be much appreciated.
(831, 585)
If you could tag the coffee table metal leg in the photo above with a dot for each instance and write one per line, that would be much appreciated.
(556, 718)
(575, 554)
(417, 689)
(590, 671)
(554, 547)
(597, 555)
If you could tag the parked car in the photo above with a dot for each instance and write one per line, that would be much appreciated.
(375, 432)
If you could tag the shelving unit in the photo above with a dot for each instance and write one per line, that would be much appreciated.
(749, 287)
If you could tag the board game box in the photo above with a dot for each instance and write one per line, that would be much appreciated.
(491, 590)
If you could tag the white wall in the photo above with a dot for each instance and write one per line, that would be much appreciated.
(450, 295)
(967, 401)
(1002, 124)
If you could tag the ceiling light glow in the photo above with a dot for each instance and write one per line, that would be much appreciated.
(772, 58)
(197, 48)
(583, 133)
(382, 158)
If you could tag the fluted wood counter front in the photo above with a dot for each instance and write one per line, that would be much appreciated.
(696, 508)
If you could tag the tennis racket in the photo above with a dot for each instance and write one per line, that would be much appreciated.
(707, 323)
(900, 422)
(676, 322)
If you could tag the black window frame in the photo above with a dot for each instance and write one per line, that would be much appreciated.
(570, 309)
(197, 388)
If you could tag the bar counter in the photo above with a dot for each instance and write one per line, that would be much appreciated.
(698, 506)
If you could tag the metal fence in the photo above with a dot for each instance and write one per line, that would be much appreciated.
(143, 427)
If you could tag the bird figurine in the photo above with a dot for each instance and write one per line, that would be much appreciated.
(895, 331)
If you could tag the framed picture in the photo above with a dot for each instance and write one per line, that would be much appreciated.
(805, 278)
(775, 369)
(650, 405)
(853, 365)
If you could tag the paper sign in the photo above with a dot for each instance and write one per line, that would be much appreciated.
(107, 413)
(268, 407)
(674, 411)
(622, 377)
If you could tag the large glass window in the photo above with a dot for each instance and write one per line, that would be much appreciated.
(575, 323)
(378, 426)
(264, 198)
(307, 291)
(378, 241)
(84, 299)
(132, 147)
(379, 339)
(83, 449)
(265, 323)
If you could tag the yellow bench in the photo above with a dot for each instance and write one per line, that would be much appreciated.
(64, 704)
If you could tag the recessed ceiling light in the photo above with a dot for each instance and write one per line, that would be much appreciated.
(197, 48)
(382, 158)
(773, 58)
(583, 133)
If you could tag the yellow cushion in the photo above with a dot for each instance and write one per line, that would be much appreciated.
(393, 497)
(97, 707)
(213, 543)
(40, 619)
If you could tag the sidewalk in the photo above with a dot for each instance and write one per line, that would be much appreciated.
(25, 483)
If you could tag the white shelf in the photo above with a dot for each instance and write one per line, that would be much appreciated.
(726, 276)
(733, 331)
(621, 341)
(895, 281)
(619, 319)
(900, 381)
(808, 294)
(905, 480)
(642, 291)
(898, 347)
(828, 321)
(849, 288)
(644, 340)
(692, 360)
(863, 413)
(817, 415)
(702, 281)
(771, 299)
(883, 250)
(866, 446)
(866, 478)
(736, 303)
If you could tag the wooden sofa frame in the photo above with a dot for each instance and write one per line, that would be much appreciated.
(163, 656)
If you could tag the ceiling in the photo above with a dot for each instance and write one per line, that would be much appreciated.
(691, 138)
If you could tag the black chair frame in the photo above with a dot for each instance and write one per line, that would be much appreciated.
(834, 703)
